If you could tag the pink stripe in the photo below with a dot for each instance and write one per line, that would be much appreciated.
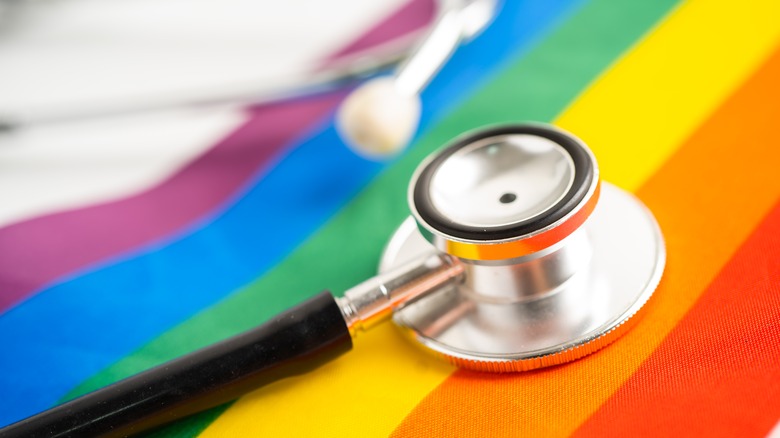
(39, 251)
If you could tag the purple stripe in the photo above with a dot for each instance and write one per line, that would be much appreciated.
(40, 251)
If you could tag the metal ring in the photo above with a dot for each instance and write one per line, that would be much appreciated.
(516, 239)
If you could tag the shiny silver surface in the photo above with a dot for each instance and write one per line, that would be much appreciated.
(458, 20)
(502, 180)
(546, 308)
(372, 301)
(529, 277)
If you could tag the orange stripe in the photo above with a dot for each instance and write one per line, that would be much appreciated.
(707, 198)
(718, 372)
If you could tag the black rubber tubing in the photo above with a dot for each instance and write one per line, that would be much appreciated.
(293, 342)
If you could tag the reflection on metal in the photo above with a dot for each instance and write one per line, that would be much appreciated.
(458, 20)
(372, 301)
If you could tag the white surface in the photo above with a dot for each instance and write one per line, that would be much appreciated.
(79, 53)
(56, 167)
(76, 53)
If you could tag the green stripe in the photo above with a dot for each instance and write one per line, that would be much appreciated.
(346, 250)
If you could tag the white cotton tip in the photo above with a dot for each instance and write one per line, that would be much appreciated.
(378, 121)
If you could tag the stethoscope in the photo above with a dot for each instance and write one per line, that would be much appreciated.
(516, 256)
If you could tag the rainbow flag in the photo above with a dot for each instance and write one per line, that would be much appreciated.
(680, 102)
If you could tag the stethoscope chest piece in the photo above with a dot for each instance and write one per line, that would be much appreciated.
(556, 263)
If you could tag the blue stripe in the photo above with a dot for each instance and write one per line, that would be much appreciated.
(74, 329)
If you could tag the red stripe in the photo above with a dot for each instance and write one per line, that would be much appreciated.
(718, 371)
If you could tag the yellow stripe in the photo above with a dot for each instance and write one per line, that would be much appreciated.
(638, 112)
(634, 117)
(389, 374)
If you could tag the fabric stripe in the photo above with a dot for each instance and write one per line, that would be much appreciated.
(694, 197)
(717, 373)
(236, 247)
(384, 369)
(667, 86)
(726, 348)
(38, 252)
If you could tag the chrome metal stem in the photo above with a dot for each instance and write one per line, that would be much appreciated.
(458, 20)
(415, 73)
(374, 300)
(529, 277)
